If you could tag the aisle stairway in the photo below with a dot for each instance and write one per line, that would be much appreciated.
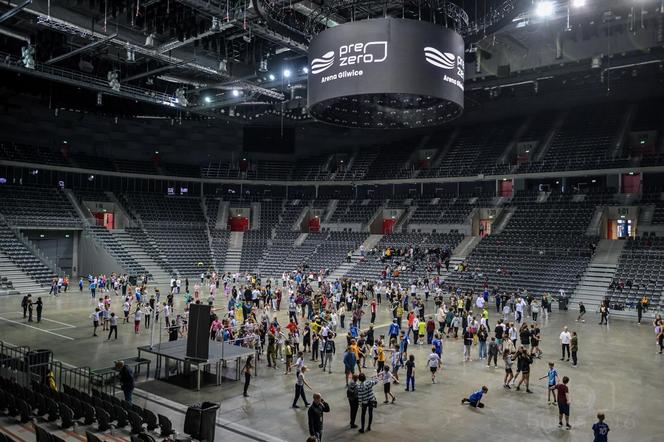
(159, 275)
(346, 267)
(234, 252)
(21, 282)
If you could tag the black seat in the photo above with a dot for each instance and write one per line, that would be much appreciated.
(136, 422)
(91, 437)
(103, 419)
(24, 410)
(120, 416)
(66, 416)
(88, 413)
(42, 435)
(150, 419)
(166, 425)
(53, 409)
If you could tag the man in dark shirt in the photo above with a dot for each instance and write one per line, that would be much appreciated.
(126, 379)
(315, 415)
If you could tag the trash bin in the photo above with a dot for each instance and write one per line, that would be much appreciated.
(562, 303)
(201, 420)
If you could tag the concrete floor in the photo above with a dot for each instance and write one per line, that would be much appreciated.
(619, 373)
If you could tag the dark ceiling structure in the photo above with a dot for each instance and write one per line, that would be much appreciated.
(225, 59)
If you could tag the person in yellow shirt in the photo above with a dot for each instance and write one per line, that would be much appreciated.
(358, 353)
(380, 357)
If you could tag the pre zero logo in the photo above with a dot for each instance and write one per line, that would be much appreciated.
(319, 65)
(444, 60)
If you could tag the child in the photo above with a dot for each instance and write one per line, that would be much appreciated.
(562, 392)
(552, 376)
(474, 400)
(288, 350)
(509, 374)
(421, 330)
(600, 429)
(387, 378)
(433, 362)
(410, 373)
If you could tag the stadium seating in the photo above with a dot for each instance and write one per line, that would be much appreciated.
(24, 206)
(22, 257)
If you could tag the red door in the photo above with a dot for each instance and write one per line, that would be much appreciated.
(388, 225)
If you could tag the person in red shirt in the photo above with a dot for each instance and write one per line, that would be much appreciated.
(562, 394)
(292, 326)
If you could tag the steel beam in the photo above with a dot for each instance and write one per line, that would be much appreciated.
(85, 48)
(12, 12)
(154, 71)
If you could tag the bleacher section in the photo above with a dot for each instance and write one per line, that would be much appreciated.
(640, 273)
(542, 248)
(22, 257)
(373, 266)
(24, 206)
(117, 251)
(178, 228)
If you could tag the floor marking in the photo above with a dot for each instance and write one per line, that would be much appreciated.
(36, 328)
(51, 320)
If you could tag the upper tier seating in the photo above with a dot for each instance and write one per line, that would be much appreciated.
(25, 206)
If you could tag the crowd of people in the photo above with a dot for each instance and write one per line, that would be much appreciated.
(424, 312)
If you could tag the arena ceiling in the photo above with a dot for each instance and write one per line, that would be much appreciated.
(221, 57)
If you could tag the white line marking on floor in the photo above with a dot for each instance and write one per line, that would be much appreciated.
(37, 328)
(52, 320)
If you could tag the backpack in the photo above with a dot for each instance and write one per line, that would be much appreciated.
(351, 391)
(328, 346)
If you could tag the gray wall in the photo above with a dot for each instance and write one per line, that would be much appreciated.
(93, 259)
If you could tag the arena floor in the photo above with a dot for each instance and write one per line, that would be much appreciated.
(619, 373)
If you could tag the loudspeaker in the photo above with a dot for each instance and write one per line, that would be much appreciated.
(198, 337)
(504, 71)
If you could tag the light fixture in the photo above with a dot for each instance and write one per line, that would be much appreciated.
(287, 73)
(262, 66)
(236, 93)
(504, 179)
(578, 3)
(271, 77)
(305, 70)
(527, 151)
(593, 181)
(557, 182)
(28, 56)
(544, 8)
(156, 152)
(208, 99)
(91, 178)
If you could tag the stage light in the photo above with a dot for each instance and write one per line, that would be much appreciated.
(544, 8)
(236, 93)
(578, 3)
(305, 70)
(208, 100)
(287, 73)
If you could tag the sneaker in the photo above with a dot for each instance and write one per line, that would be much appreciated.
(386, 402)
(361, 430)
(560, 424)
(353, 426)
(297, 406)
(307, 404)
(518, 388)
(568, 426)
(528, 391)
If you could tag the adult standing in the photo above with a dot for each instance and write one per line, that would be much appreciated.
(24, 304)
(353, 403)
(315, 415)
(126, 379)
(248, 366)
(565, 340)
(367, 399)
(574, 346)
(40, 307)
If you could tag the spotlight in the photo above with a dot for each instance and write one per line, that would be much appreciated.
(113, 81)
(28, 56)
(262, 67)
(578, 3)
(208, 99)
(286, 73)
(271, 77)
(305, 70)
(236, 93)
(544, 9)
(91, 178)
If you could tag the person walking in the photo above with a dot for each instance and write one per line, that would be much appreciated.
(329, 349)
(299, 388)
(248, 366)
(475, 399)
(493, 353)
(565, 340)
(552, 381)
(367, 400)
(433, 362)
(95, 320)
(315, 416)
(113, 320)
(410, 373)
(353, 403)
(137, 319)
(30, 309)
(509, 372)
(350, 361)
(582, 312)
(523, 361)
(562, 393)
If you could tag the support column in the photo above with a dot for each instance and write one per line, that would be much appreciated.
(74, 255)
